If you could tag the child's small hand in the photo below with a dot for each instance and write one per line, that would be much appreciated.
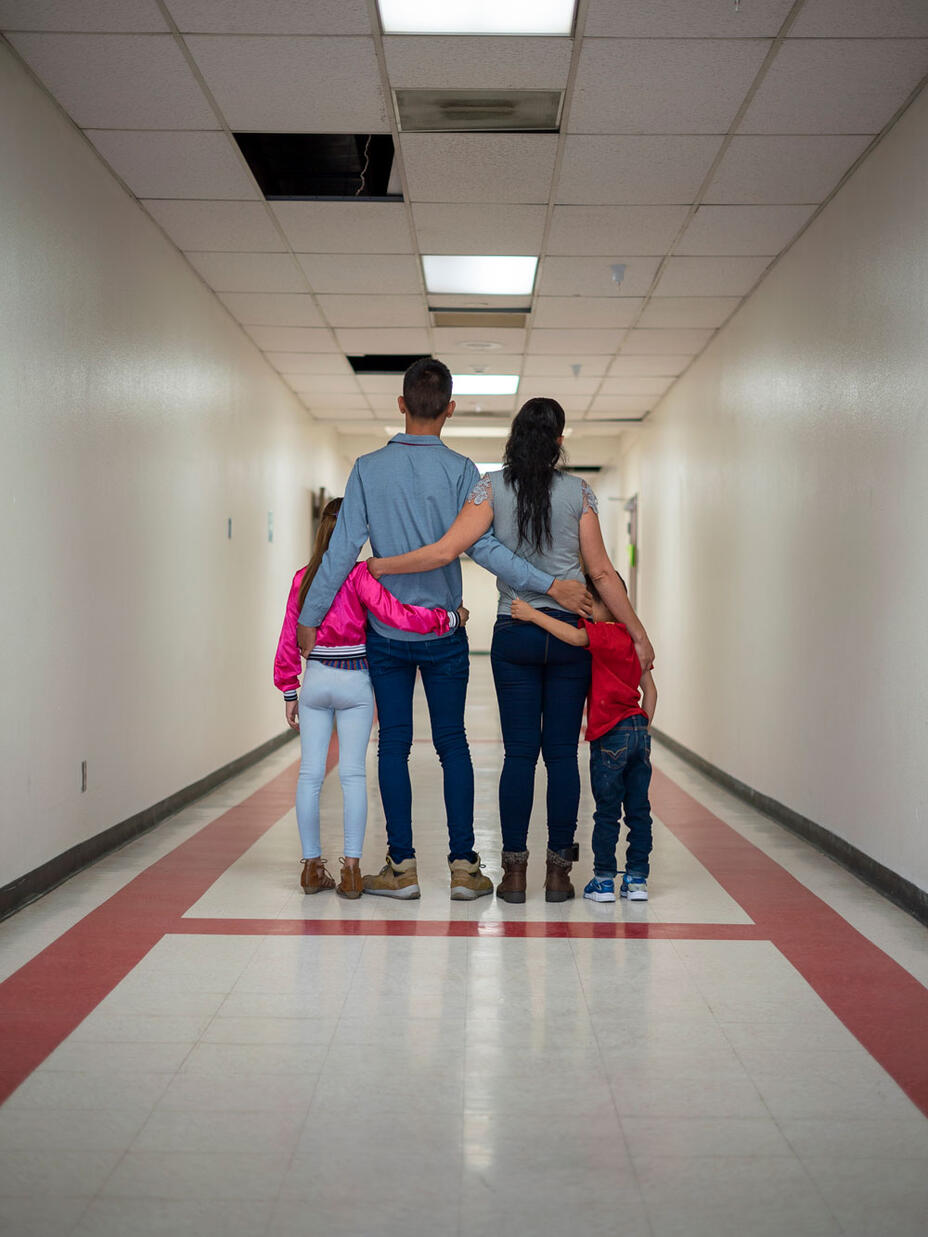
(521, 610)
(463, 614)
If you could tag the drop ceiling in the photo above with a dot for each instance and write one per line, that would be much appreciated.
(697, 139)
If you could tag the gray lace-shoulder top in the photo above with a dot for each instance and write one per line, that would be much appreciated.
(570, 498)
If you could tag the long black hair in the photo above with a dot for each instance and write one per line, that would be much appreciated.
(533, 457)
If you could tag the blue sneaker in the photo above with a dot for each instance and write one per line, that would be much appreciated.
(600, 889)
(634, 887)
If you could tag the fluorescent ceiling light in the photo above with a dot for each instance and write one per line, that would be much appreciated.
(493, 276)
(485, 384)
(477, 16)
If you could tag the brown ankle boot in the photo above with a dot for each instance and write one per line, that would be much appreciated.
(350, 884)
(557, 875)
(314, 877)
(512, 887)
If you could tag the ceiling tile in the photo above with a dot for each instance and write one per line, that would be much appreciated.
(356, 273)
(559, 387)
(337, 384)
(449, 339)
(374, 310)
(698, 311)
(708, 19)
(634, 170)
(718, 276)
(605, 229)
(217, 226)
(537, 389)
(662, 85)
(453, 228)
(248, 272)
(381, 384)
(596, 311)
(622, 405)
(463, 62)
(125, 81)
(783, 169)
(635, 386)
(479, 167)
(651, 343)
(477, 363)
(345, 227)
(562, 366)
(559, 343)
(742, 229)
(292, 339)
(836, 85)
(309, 362)
(658, 366)
(593, 276)
(293, 84)
(331, 414)
(123, 16)
(485, 403)
(270, 16)
(174, 164)
(375, 340)
(862, 19)
(384, 403)
(350, 400)
(272, 308)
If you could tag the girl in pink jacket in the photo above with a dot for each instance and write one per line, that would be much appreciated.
(337, 686)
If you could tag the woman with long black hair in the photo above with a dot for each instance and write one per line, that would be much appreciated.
(548, 517)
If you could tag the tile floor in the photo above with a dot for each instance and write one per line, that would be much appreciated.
(283, 1065)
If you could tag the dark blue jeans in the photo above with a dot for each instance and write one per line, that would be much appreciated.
(541, 686)
(620, 772)
(445, 666)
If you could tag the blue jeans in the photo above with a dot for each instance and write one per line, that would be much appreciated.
(445, 667)
(620, 771)
(345, 696)
(541, 686)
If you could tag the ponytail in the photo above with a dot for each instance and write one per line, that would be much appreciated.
(323, 536)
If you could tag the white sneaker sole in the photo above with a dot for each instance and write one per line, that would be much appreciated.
(411, 891)
(600, 897)
(636, 897)
(460, 894)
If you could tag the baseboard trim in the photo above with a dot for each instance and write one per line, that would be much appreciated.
(42, 880)
(904, 893)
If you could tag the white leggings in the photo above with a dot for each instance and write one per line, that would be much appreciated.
(346, 697)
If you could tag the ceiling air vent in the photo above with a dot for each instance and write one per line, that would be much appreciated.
(322, 166)
(498, 318)
(478, 111)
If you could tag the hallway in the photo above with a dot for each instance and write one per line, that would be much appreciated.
(742, 1054)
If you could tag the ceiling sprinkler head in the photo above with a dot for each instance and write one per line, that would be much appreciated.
(618, 272)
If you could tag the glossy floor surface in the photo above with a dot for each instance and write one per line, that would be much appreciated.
(191, 1046)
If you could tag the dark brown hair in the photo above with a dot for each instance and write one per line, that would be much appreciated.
(427, 388)
(323, 536)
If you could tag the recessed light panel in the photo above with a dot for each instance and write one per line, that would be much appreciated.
(478, 111)
(485, 384)
(493, 276)
(477, 16)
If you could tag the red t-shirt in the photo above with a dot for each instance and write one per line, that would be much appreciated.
(615, 687)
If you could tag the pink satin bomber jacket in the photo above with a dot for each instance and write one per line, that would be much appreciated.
(342, 632)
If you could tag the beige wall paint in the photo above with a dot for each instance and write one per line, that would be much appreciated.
(137, 418)
(784, 506)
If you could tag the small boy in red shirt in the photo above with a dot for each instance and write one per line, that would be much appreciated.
(619, 710)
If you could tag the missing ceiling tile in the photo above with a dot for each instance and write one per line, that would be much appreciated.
(321, 166)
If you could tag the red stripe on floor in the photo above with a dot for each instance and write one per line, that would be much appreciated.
(43, 1002)
(878, 1000)
(470, 927)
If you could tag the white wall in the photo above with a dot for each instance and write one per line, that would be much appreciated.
(136, 418)
(784, 509)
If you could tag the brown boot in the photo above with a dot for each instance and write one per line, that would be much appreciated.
(512, 887)
(314, 877)
(557, 875)
(350, 884)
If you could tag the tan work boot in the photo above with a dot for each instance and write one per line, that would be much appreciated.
(350, 884)
(557, 875)
(314, 877)
(394, 880)
(467, 881)
(512, 887)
